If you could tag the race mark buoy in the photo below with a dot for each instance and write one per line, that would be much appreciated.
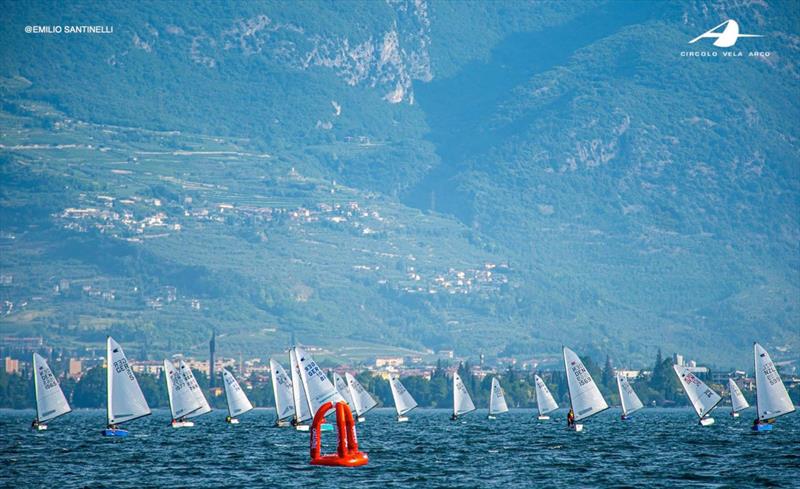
(347, 453)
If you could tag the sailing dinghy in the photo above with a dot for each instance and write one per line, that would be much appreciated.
(362, 401)
(627, 397)
(302, 411)
(738, 402)
(181, 400)
(702, 397)
(316, 386)
(282, 391)
(343, 389)
(585, 398)
(403, 401)
(125, 401)
(544, 400)
(196, 391)
(497, 400)
(238, 403)
(772, 400)
(462, 402)
(50, 400)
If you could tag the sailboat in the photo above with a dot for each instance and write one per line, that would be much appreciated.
(302, 411)
(772, 400)
(343, 389)
(403, 401)
(497, 400)
(584, 397)
(738, 402)
(196, 391)
(181, 400)
(318, 389)
(362, 401)
(125, 401)
(544, 400)
(702, 397)
(50, 400)
(462, 402)
(627, 397)
(282, 390)
(238, 403)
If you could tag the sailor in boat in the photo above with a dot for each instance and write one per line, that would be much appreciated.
(570, 418)
(757, 422)
(228, 418)
(453, 417)
(35, 423)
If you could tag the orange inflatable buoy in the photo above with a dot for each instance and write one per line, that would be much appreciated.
(347, 454)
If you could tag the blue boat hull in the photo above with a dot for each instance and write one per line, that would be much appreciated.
(762, 427)
(118, 432)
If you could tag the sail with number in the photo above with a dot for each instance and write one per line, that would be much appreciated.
(627, 396)
(403, 401)
(703, 398)
(363, 401)
(462, 402)
(50, 400)
(238, 403)
(195, 389)
(181, 399)
(302, 408)
(497, 398)
(544, 399)
(282, 391)
(125, 401)
(772, 400)
(343, 389)
(584, 396)
(317, 386)
(738, 402)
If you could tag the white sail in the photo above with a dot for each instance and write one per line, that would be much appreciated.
(462, 402)
(772, 400)
(318, 388)
(282, 390)
(50, 400)
(363, 401)
(702, 397)
(181, 399)
(584, 395)
(497, 398)
(195, 389)
(738, 402)
(544, 400)
(343, 389)
(627, 396)
(302, 408)
(238, 403)
(403, 401)
(125, 399)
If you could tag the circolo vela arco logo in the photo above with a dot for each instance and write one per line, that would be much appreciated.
(725, 39)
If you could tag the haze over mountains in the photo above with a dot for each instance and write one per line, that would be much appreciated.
(485, 176)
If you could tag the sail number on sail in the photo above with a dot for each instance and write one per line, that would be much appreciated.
(690, 378)
(769, 372)
(121, 365)
(581, 374)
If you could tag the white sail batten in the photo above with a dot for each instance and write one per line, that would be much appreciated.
(703, 398)
(282, 391)
(584, 395)
(302, 409)
(544, 399)
(50, 400)
(772, 400)
(462, 402)
(738, 402)
(343, 389)
(181, 399)
(124, 396)
(319, 388)
(627, 396)
(363, 401)
(238, 403)
(403, 401)
(497, 398)
(195, 389)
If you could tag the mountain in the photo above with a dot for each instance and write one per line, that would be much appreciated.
(494, 177)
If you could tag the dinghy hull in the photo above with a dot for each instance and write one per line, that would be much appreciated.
(41, 427)
(282, 424)
(182, 424)
(706, 421)
(734, 415)
(544, 418)
(115, 432)
(577, 427)
(491, 417)
(402, 419)
(761, 427)
(233, 421)
(361, 419)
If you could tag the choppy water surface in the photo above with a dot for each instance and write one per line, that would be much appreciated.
(659, 448)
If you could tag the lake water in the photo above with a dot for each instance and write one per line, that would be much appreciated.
(659, 448)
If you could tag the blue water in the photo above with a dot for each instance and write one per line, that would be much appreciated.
(658, 448)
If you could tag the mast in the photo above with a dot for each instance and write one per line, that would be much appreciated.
(36, 386)
(755, 376)
(566, 377)
(108, 380)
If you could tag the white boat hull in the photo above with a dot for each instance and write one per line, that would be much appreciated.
(233, 421)
(402, 419)
(491, 417)
(361, 419)
(302, 427)
(577, 427)
(543, 418)
(182, 424)
(734, 415)
(41, 427)
(706, 421)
